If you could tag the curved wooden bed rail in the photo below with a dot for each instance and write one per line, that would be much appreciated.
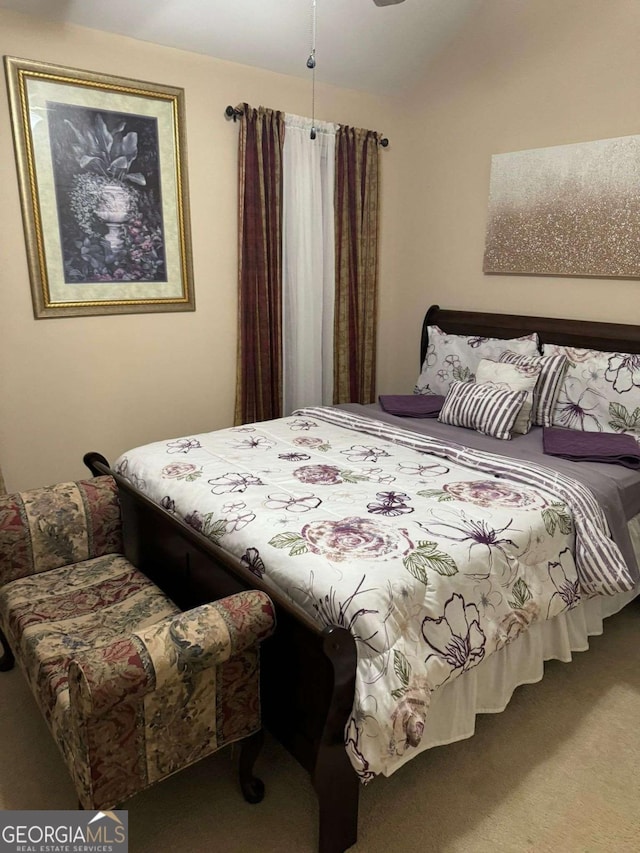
(308, 671)
(608, 337)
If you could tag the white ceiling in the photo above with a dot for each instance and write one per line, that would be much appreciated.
(358, 44)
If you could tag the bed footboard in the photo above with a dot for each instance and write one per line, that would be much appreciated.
(336, 784)
(308, 672)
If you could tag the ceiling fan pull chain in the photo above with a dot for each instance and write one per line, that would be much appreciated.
(311, 63)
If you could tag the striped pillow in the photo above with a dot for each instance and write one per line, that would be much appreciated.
(482, 407)
(545, 394)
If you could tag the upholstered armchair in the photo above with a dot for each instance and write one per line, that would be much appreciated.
(132, 688)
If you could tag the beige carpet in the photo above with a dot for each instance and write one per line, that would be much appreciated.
(558, 771)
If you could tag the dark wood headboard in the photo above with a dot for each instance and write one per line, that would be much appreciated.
(609, 337)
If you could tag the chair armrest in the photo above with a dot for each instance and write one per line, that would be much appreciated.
(55, 526)
(171, 650)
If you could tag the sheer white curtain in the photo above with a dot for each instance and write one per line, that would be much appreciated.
(308, 263)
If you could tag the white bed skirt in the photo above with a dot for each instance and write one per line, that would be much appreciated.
(488, 687)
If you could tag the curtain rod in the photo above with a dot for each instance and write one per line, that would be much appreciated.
(236, 112)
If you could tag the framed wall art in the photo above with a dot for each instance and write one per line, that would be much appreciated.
(103, 183)
(567, 210)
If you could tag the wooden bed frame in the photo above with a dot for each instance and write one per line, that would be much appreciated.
(309, 670)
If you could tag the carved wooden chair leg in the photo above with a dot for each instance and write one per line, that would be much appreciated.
(252, 787)
(7, 660)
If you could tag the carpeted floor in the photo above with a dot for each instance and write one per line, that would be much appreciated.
(557, 772)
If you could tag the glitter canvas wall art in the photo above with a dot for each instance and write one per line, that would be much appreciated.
(569, 210)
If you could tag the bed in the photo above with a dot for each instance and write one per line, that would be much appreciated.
(345, 667)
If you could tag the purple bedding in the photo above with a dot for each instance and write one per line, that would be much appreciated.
(592, 446)
(412, 405)
(616, 488)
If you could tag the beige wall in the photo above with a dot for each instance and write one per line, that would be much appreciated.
(109, 383)
(521, 75)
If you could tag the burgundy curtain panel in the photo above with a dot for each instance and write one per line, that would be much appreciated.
(259, 377)
(356, 227)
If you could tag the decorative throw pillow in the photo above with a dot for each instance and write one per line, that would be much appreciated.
(451, 358)
(512, 377)
(485, 408)
(552, 369)
(601, 391)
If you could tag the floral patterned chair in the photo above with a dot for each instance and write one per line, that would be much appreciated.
(132, 688)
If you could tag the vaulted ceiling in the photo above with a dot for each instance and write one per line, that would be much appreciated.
(359, 45)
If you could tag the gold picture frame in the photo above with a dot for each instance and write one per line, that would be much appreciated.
(102, 171)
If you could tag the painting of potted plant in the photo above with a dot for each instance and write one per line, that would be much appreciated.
(106, 175)
(102, 172)
(109, 155)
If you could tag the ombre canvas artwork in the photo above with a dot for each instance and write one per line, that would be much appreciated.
(569, 210)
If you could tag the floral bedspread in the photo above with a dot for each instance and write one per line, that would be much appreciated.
(432, 555)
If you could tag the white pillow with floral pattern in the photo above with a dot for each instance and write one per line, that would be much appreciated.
(512, 377)
(455, 358)
(601, 391)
